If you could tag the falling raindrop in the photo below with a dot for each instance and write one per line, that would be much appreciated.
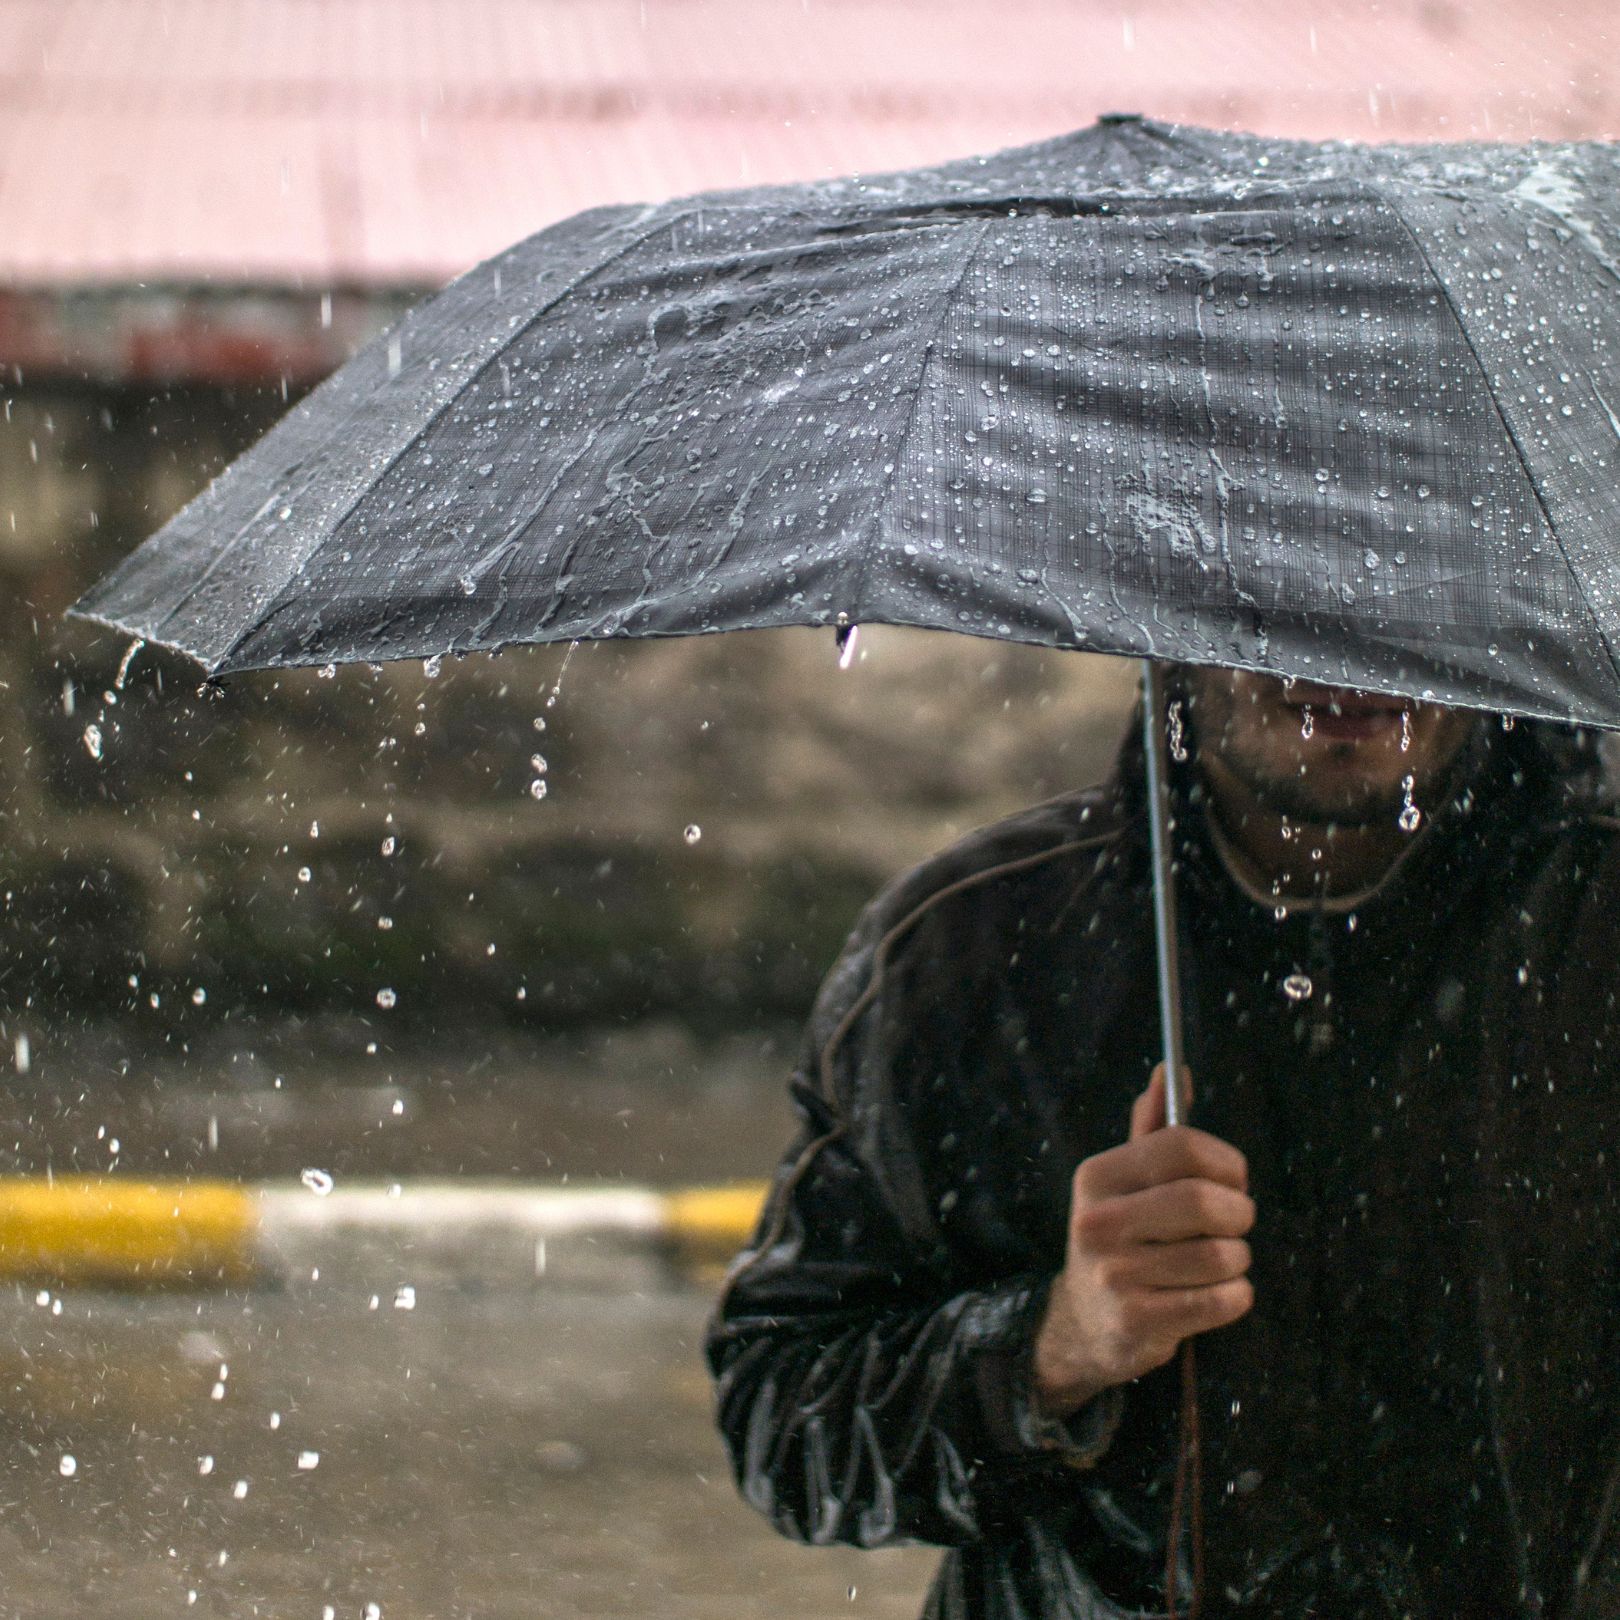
(123, 667)
(319, 1182)
(92, 741)
(308, 1460)
(327, 671)
(1297, 987)
(537, 788)
(304, 874)
(240, 1489)
(21, 1054)
(692, 833)
(1177, 732)
(1410, 815)
(205, 1465)
(404, 1298)
(68, 1466)
(1507, 722)
(389, 844)
(432, 666)
(1307, 721)
(1406, 731)
(198, 996)
(386, 999)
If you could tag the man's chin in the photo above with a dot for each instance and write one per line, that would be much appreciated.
(1351, 806)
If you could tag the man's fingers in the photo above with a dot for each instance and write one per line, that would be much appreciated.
(1171, 1154)
(1181, 1312)
(1195, 1263)
(1167, 1213)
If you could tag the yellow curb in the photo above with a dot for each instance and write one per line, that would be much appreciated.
(707, 1224)
(95, 1229)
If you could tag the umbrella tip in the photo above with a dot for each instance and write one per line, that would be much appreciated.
(1119, 118)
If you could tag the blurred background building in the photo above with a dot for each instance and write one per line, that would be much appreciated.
(206, 204)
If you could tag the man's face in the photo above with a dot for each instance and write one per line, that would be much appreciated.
(1320, 753)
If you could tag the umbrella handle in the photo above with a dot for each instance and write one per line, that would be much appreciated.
(1155, 739)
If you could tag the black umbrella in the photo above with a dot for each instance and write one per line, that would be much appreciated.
(1333, 412)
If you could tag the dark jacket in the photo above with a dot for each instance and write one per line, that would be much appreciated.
(1421, 1413)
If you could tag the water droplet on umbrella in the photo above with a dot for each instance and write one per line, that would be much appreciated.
(319, 1182)
(1370, 560)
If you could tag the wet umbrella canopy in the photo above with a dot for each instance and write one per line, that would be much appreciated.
(1338, 412)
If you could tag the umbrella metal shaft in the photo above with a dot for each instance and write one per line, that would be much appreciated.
(1155, 738)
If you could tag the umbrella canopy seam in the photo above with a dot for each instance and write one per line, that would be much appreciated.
(947, 300)
(1512, 437)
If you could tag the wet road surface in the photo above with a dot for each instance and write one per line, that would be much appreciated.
(358, 1451)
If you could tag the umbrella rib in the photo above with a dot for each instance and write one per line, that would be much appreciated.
(1512, 437)
(947, 299)
(660, 222)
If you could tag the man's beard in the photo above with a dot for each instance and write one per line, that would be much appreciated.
(1344, 801)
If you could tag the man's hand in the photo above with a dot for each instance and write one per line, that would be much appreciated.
(1155, 1254)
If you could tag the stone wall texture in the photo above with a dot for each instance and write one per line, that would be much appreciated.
(715, 810)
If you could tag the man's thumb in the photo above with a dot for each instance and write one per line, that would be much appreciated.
(1147, 1112)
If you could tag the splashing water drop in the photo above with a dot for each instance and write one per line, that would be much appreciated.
(1410, 815)
(319, 1182)
(1297, 987)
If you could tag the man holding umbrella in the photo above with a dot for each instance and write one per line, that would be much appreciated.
(1398, 970)
(1253, 411)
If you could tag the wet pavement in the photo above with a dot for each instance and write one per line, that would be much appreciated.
(651, 1104)
(345, 1450)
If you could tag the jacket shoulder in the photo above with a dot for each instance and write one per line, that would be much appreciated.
(1024, 843)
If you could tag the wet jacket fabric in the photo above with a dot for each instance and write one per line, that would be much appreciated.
(1420, 1416)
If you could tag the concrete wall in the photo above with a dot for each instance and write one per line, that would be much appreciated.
(300, 843)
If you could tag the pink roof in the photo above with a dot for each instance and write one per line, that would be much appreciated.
(313, 143)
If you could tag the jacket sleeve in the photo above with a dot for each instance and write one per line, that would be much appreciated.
(867, 1391)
